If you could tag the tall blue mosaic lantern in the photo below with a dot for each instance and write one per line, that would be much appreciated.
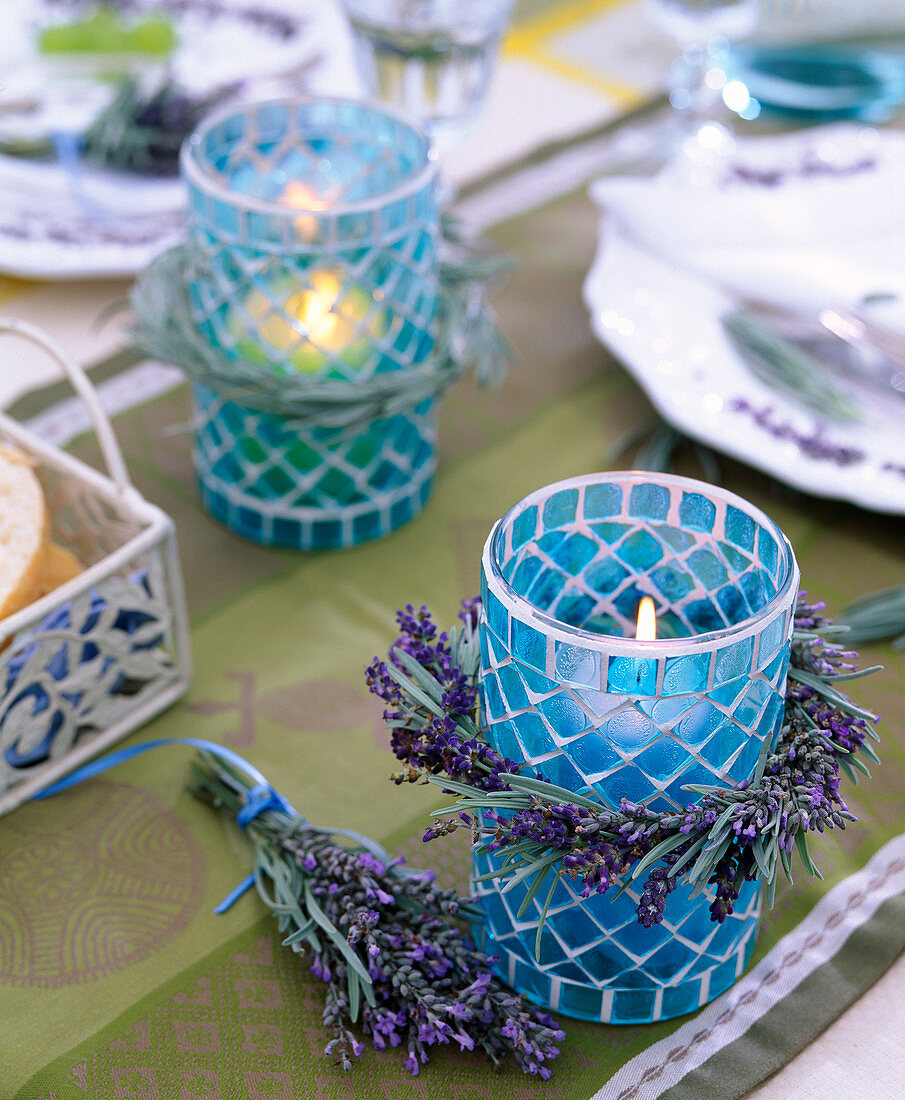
(570, 689)
(313, 236)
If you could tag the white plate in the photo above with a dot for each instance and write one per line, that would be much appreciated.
(109, 224)
(664, 325)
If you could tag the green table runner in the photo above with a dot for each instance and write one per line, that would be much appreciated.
(117, 980)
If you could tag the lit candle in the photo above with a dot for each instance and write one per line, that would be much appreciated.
(636, 674)
(313, 231)
(649, 617)
(646, 630)
(590, 682)
(301, 197)
(322, 327)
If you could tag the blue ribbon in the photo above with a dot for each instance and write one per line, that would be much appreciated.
(261, 796)
(68, 149)
(233, 896)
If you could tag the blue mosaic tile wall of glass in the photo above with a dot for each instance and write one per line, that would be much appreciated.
(567, 691)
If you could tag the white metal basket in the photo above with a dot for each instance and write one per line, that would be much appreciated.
(108, 650)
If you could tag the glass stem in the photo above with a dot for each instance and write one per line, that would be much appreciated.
(692, 98)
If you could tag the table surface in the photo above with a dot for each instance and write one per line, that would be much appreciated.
(89, 1003)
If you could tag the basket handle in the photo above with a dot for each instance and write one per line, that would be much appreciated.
(113, 456)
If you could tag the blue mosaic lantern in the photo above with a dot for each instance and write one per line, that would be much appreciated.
(568, 690)
(313, 235)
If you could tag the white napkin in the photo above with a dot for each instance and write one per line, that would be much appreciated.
(806, 220)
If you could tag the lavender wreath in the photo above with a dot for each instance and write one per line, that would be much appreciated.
(730, 835)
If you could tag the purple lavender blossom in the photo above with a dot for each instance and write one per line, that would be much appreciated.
(660, 884)
(425, 743)
(799, 791)
(815, 444)
(426, 983)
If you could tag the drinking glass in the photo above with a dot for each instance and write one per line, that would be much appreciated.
(703, 29)
(434, 58)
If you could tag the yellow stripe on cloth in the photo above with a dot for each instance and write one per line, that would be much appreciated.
(561, 17)
(530, 40)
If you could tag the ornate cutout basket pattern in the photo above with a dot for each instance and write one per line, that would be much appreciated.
(108, 650)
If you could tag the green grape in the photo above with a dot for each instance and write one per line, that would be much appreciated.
(103, 32)
(154, 35)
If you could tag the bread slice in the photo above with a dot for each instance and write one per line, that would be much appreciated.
(23, 532)
(60, 566)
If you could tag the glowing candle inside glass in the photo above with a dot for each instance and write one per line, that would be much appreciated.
(311, 328)
(314, 226)
(634, 642)
(325, 326)
(636, 635)
(300, 196)
(313, 230)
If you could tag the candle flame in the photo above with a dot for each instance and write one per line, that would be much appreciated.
(301, 197)
(316, 314)
(314, 310)
(647, 621)
(298, 194)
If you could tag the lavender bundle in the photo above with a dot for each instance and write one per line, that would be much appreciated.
(731, 835)
(380, 937)
(143, 132)
(139, 131)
